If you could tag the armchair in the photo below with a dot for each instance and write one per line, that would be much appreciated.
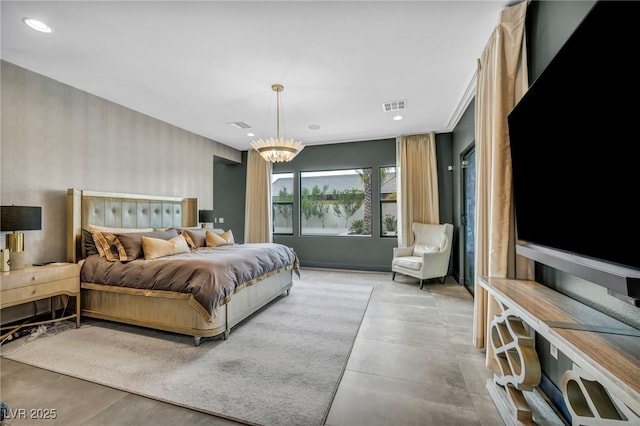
(429, 256)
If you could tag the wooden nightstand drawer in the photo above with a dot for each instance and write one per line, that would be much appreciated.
(38, 274)
(38, 282)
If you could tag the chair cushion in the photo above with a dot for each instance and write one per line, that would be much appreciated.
(420, 249)
(409, 262)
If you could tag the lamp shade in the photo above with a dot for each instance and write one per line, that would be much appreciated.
(20, 218)
(205, 216)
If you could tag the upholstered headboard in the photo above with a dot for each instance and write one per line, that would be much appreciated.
(117, 210)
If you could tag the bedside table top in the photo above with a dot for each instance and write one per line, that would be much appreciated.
(38, 274)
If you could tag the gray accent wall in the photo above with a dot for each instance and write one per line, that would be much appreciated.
(350, 252)
(229, 190)
(355, 252)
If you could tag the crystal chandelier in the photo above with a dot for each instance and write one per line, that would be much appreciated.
(277, 149)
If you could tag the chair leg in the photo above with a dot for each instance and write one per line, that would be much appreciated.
(393, 276)
(421, 284)
(444, 279)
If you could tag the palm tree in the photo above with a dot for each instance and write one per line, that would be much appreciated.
(365, 176)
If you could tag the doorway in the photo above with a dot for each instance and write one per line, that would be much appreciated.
(468, 216)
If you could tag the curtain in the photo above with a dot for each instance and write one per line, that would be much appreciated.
(257, 215)
(418, 193)
(501, 81)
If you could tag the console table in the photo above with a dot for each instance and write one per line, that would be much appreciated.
(604, 385)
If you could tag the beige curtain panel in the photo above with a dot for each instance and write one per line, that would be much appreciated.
(418, 198)
(257, 225)
(501, 81)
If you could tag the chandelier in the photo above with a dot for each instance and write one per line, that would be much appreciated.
(277, 149)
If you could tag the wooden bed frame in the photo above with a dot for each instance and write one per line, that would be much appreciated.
(169, 311)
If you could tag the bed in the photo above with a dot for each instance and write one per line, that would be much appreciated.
(243, 277)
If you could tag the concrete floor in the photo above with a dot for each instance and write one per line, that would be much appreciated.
(412, 364)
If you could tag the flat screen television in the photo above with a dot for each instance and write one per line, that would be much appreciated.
(575, 145)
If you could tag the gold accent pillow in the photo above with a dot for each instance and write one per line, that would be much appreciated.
(228, 235)
(155, 248)
(215, 240)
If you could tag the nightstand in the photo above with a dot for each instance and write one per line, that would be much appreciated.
(41, 282)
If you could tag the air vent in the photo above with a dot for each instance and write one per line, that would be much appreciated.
(394, 105)
(239, 125)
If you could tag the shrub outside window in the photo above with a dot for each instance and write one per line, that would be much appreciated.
(336, 202)
(282, 203)
(388, 202)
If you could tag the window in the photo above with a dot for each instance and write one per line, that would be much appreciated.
(388, 201)
(282, 203)
(336, 202)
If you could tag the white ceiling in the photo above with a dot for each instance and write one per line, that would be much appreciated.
(202, 64)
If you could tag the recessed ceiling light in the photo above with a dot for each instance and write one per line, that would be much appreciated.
(251, 134)
(314, 126)
(37, 25)
(398, 117)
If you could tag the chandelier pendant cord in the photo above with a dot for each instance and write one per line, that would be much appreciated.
(278, 149)
(277, 88)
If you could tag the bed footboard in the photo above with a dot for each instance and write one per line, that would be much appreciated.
(173, 311)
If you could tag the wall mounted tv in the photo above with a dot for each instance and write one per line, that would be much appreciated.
(575, 145)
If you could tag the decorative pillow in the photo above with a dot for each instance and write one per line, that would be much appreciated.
(215, 240)
(132, 241)
(420, 249)
(155, 248)
(109, 230)
(195, 237)
(109, 246)
(228, 236)
(89, 245)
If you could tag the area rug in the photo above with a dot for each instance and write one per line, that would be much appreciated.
(281, 366)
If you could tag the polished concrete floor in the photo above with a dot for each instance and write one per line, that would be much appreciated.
(412, 364)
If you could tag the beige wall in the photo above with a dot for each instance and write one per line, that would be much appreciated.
(56, 137)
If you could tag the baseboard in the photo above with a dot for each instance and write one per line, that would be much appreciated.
(346, 266)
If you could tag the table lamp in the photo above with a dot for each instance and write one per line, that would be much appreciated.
(204, 217)
(19, 218)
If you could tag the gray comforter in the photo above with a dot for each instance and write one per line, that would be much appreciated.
(210, 275)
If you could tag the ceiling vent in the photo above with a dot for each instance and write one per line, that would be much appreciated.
(394, 105)
(239, 125)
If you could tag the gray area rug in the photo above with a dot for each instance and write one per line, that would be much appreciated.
(281, 366)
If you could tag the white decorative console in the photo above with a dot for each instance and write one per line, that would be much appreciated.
(603, 388)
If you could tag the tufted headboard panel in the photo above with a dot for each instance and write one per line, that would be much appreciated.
(116, 210)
